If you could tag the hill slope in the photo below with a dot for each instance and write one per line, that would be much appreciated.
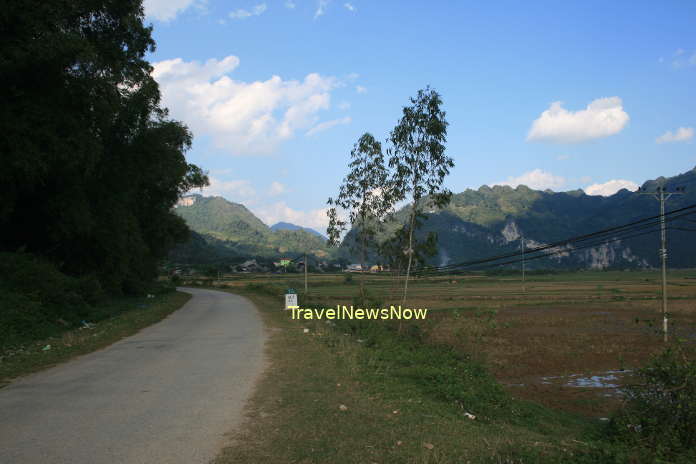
(491, 220)
(228, 231)
(289, 226)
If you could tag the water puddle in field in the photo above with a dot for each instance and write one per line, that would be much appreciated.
(607, 380)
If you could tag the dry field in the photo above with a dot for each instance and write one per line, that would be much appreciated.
(568, 341)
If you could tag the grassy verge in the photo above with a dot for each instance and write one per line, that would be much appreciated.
(351, 393)
(129, 316)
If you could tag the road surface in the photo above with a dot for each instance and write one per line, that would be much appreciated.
(167, 394)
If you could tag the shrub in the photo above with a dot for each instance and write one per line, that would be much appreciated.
(21, 318)
(660, 412)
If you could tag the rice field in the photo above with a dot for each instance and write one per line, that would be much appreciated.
(566, 340)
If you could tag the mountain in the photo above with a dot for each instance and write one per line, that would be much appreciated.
(476, 224)
(225, 231)
(491, 220)
(203, 250)
(289, 226)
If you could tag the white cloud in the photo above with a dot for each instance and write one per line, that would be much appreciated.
(536, 179)
(563, 157)
(322, 126)
(321, 8)
(234, 190)
(602, 118)
(290, 4)
(349, 6)
(360, 89)
(241, 117)
(352, 76)
(243, 14)
(166, 10)
(680, 135)
(610, 187)
(280, 211)
(344, 105)
(682, 59)
(277, 188)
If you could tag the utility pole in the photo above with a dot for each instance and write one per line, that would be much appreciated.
(524, 289)
(305, 273)
(662, 195)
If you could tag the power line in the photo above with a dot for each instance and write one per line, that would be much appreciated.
(572, 250)
(594, 243)
(558, 243)
(616, 230)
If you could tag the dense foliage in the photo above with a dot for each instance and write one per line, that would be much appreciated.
(91, 165)
(660, 411)
(37, 301)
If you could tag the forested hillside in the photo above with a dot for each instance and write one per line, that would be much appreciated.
(229, 230)
(492, 220)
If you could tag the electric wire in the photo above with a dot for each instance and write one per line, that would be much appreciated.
(599, 237)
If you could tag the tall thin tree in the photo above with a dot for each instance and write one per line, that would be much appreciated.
(366, 197)
(419, 161)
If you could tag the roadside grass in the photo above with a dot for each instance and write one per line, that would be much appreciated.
(348, 393)
(533, 341)
(431, 374)
(128, 316)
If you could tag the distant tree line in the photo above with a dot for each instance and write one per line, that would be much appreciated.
(91, 163)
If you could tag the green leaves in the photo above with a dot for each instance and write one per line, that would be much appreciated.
(413, 169)
(659, 413)
(418, 155)
(419, 161)
(365, 194)
(91, 164)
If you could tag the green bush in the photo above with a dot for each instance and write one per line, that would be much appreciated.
(659, 415)
(37, 300)
(21, 318)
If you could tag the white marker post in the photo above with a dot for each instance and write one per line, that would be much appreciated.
(291, 299)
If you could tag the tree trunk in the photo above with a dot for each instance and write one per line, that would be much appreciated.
(410, 251)
(362, 266)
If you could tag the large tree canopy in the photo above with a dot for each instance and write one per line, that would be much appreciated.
(91, 165)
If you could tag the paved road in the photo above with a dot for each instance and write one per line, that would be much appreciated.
(165, 395)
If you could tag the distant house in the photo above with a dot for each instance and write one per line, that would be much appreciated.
(283, 264)
(323, 265)
(250, 266)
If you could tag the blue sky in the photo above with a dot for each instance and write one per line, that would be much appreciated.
(559, 95)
